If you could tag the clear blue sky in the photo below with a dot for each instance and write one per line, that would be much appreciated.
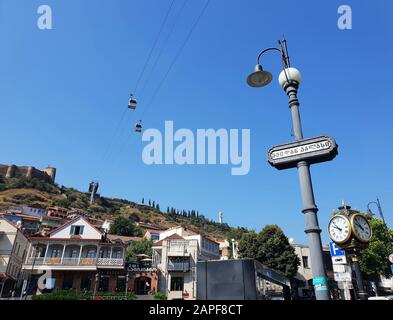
(64, 91)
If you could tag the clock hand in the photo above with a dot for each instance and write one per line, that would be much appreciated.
(334, 225)
(358, 224)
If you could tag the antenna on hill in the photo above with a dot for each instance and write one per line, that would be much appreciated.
(93, 187)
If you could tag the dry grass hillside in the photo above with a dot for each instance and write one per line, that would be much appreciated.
(21, 191)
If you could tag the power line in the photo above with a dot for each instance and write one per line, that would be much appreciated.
(165, 42)
(177, 55)
(137, 83)
(154, 45)
(181, 48)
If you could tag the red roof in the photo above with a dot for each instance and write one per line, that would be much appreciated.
(174, 236)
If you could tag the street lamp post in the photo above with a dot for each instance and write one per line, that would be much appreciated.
(378, 204)
(37, 248)
(290, 79)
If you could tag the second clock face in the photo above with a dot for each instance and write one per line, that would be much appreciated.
(339, 229)
(361, 228)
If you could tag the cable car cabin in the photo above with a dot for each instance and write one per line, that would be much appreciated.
(138, 127)
(132, 103)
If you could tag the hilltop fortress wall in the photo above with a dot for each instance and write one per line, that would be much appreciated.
(10, 171)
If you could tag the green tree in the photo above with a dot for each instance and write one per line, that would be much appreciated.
(374, 259)
(270, 247)
(139, 247)
(124, 227)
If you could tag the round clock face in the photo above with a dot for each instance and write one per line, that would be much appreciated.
(339, 229)
(361, 228)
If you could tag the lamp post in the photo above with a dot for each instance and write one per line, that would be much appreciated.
(97, 278)
(378, 204)
(289, 80)
(37, 251)
(127, 284)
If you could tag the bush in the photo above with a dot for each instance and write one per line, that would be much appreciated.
(160, 296)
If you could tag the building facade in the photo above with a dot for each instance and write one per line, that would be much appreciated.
(78, 257)
(13, 250)
(175, 256)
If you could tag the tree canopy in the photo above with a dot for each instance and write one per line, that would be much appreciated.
(124, 227)
(374, 259)
(139, 247)
(270, 247)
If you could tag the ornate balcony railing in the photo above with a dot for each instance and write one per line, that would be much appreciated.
(57, 261)
(110, 262)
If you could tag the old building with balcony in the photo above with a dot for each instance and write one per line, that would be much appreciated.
(76, 253)
(13, 249)
(175, 255)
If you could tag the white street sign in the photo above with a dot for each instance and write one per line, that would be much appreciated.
(348, 285)
(391, 258)
(299, 150)
(343, 276)
(339, 260)
(338, 268)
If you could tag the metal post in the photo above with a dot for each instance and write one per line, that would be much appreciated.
(126, 285)
(32, 268)
(363, 295)
(380, 211)
(309, 207)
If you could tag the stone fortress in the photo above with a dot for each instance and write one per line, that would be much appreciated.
(47, 174)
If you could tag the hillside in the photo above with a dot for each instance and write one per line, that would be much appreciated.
(22, 191)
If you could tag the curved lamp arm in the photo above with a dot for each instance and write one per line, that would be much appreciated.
(268, 49)
(368, 205)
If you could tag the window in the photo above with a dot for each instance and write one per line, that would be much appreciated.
(103, 284)
(91, 253)
(305, 262)
(67, 282)
(177, 284)
(121, 283)
(155, 236)
(86, 283)
(76, 230)
(117, 254)
(74, 253)
(56, 253)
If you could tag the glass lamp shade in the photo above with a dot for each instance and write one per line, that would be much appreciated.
(293, 74)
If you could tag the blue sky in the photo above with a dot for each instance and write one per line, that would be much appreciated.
(63, 93)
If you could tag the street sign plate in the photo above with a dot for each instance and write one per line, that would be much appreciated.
(345, 285)
(335, 251)
(391, 258)
(338, 268)
(312, 150)
(339, 260)
(343, 276)
(391, 268)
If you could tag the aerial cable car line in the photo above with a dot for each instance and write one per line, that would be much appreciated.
(163, 47)
(170, 67)
(137, 83)
(176, 57)
(154, 45)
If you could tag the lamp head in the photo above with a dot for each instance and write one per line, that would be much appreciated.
(289, 74)
(259, 78)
